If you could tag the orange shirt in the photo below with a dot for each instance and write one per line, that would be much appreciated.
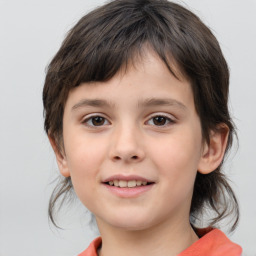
(213, 242)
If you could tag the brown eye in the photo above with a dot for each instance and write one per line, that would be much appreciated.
(98, 120)
(95, 121)
(159, 120)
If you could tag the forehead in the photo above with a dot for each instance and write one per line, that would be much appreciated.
(145, 81)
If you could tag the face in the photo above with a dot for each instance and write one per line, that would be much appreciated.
(133, 145)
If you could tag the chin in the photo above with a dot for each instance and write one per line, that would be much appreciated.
(130, 222)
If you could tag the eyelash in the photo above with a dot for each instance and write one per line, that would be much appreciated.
(90, 119)
(91, 125)
(166, 118)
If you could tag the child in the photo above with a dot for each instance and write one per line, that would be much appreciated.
(136, 111)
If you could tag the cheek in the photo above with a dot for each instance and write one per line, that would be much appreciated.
(177, 156)
(84, 158)
(84, 153)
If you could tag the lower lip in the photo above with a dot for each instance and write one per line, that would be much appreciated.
(129, 192)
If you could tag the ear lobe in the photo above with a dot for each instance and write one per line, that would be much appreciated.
(213, 152)
(60, 158)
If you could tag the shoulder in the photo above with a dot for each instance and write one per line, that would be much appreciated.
(212, 242)
(92, 249)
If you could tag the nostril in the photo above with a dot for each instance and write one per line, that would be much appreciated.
(119, 158)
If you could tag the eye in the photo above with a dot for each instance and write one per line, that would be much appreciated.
(160, 120)
(94, 121)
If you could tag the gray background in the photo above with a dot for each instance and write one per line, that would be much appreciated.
(31, 32)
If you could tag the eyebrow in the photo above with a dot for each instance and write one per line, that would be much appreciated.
(150, 102)
(92, 103)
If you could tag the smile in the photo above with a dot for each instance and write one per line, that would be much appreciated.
(127, 184)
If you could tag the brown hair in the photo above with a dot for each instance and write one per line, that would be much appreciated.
(107, 39)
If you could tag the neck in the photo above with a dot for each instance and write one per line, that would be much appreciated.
(163, 239)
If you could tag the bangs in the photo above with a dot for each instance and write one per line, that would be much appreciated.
(98, 47)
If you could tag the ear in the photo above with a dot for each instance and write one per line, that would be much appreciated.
(213, 152)
(60, 158)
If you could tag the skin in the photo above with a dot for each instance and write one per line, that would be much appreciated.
(130, 140)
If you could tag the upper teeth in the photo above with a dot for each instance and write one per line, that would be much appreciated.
(125, 184)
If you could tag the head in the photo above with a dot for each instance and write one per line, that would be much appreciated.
(115, 37)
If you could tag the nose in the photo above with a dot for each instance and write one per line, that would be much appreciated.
(127, 145)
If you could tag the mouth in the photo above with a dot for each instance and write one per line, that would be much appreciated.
(130, 186)
(128, 183)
